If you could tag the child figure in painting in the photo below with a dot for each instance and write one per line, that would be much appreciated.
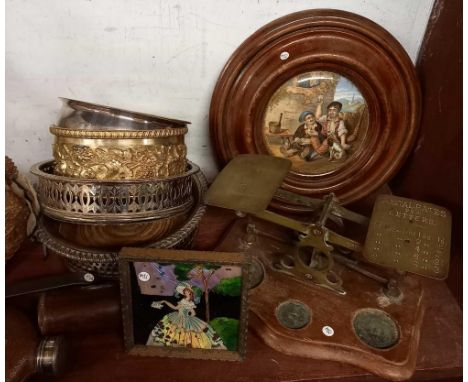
(334, 128)
(308, 140)
(182, 327)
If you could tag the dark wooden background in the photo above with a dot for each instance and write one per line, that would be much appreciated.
(434, 170)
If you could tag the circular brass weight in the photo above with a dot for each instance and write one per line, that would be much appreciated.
(293, 314)
(376, 328)
(257, 273)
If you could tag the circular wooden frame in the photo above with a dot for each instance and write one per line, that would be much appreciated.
(325, 40)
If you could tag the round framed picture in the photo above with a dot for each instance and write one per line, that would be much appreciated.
(329, 90)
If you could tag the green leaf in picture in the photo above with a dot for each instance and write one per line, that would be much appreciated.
(228, 330)
(229, 287)
(181, 270)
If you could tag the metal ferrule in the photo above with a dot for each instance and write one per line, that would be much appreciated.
(51, 356)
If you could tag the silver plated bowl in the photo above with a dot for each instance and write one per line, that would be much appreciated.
(113, 201)
(105, 262)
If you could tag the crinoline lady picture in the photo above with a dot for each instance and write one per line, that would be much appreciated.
(183, 327)
(187, 303)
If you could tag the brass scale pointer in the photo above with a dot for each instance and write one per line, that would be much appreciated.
(249, 182)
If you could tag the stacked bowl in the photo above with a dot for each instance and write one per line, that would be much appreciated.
(118, 178)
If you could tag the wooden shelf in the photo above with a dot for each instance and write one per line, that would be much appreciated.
(101, 357)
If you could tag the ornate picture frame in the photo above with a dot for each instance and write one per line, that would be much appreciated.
(320, 60)
(186, 304)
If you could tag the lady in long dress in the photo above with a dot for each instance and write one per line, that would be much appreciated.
(182, 327)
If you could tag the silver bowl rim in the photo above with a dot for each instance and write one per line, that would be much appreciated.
(123, 113)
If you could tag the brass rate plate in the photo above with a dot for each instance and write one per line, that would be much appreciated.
(409, 236)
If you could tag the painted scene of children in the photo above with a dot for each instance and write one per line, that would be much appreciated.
(317, 120)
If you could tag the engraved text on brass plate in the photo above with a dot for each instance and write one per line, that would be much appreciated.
(410, 236)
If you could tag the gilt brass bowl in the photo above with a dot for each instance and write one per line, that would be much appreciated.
(100, 142)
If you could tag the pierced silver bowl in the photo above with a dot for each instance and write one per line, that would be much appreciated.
(105, 262)
(113, 201)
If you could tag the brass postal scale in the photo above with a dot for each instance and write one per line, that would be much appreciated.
(320, 294)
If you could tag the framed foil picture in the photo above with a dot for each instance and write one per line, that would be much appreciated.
(187, 304)
(329, 90)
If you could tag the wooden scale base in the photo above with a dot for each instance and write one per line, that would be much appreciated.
(364, 327)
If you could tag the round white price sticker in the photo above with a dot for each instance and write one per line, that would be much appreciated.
(328, 331)
(144, 276)
(284, 56)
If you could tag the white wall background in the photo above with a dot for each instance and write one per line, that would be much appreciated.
(155, 56)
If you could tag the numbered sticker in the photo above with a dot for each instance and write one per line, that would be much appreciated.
(284, 55)
(328, 331)
(144, 276)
